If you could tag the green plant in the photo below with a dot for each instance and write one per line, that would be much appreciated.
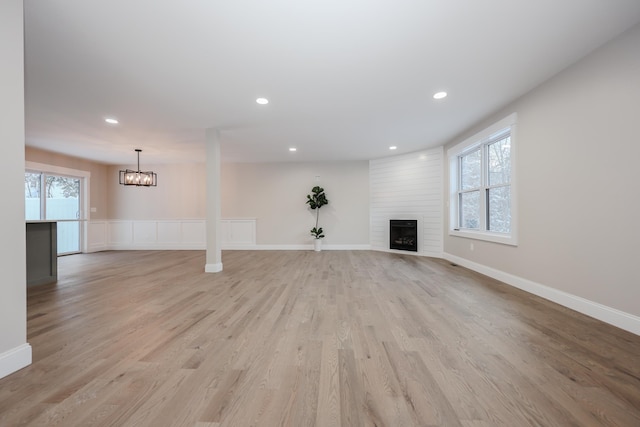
(316, 200)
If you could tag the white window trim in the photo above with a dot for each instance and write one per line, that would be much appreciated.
(468, 144)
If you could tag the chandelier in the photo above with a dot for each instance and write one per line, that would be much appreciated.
(138, 178)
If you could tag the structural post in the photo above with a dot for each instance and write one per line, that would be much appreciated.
(214, 251)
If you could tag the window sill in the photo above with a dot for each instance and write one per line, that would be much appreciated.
(488, 237)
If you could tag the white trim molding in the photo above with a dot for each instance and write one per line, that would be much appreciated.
(213, 268)
(307, 247)
(401, 252)
(609, 315)
(344, 247)
(15, 359)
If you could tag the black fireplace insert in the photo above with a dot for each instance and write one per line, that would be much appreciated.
(403, 234)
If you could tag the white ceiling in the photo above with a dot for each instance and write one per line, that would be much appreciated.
(345, 78)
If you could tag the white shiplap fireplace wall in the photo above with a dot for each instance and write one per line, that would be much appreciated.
(408, 187)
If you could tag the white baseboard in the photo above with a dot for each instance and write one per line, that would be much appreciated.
(96, 248)
(157, 247)
(596, 310)
(15, 359)
(396, 251)
(344, 247)
(308, 247)
(213, 268)
(266, 247)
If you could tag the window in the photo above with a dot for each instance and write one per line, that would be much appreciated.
(482, 176)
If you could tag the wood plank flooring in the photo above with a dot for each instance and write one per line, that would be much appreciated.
(299, 338)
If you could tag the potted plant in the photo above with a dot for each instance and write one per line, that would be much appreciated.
(316, 200)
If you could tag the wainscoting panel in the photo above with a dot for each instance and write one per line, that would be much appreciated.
(194, 233)
(96, 236)
(238, 233)
(146, 235)
(169, 232)
(119, 233)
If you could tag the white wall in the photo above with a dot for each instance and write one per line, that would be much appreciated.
(275, 194)
(15, 353)
(578, 144)
(408, 187)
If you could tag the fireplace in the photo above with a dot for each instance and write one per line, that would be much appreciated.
(403, 234)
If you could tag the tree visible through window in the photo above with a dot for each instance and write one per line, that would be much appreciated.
(486, 172)
(469, 191)
(499, 185)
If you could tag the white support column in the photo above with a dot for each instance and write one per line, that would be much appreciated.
(214, 251)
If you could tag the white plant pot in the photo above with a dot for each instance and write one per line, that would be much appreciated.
(317, 245)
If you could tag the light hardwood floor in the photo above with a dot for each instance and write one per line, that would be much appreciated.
(299, 338)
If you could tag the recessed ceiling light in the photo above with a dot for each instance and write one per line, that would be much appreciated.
(293, 149)
(111, 120)
(262, 101)
(393, 147)
(440, 95)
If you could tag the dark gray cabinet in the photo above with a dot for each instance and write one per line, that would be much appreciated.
(42, 252)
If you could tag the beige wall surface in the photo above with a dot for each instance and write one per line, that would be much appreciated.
(180, 194)
(275, 194)
(578, 142)
(98, 181)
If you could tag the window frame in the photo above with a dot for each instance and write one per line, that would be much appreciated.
(480, 141)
